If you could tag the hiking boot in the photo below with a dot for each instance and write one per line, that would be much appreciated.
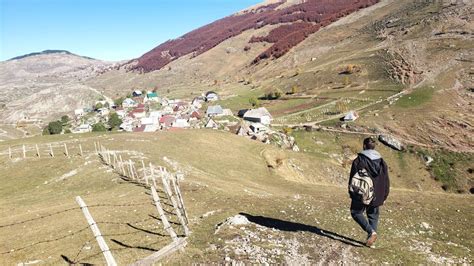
(371, 240)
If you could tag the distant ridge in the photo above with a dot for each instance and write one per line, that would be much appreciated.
(48, 52)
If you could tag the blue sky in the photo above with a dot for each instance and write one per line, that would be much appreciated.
(103, 29)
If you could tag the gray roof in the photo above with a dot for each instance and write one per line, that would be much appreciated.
(215, 109)
(258, 113)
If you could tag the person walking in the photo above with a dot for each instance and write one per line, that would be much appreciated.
(369, 162)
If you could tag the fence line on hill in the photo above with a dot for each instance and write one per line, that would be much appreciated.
(145, 174)
(149, 177)
(43, 150)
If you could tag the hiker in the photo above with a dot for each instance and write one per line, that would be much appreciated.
(369, 186)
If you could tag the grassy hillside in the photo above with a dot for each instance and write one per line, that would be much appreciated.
(297, 204)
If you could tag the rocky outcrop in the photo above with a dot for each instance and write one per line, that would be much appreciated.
(391, 142)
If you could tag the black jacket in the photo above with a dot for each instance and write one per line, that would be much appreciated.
(378, 171)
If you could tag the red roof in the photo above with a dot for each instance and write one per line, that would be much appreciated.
(196, 114)
(138, 110)
(167, 120)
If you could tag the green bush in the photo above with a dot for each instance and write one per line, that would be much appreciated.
(98, 127)
(55, 127)
(114, 120)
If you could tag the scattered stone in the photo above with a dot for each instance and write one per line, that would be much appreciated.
(428, 160)
(391, 142)
(425, 225)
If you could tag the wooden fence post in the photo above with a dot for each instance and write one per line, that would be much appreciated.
(175, 184)
(168, 191)
(164, 220)
(24, 151)
(114, 165)
(37, 151)
(130, 168)
(95, 147)
(10, 152)
(98, 236)
(66, 152)
(121, 165)
(51, 150)
(152, 175)
(144, 173)
(80, 150)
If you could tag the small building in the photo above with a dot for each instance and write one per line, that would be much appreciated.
(149, 121)
(129, 103)
(215, 110)
(167, 120)
(103, 111)
(211, 96)
(212, 124)
(258, 128)
(152, 97)
(126, 126)
(198, 101)
(196, 115)
(79, 112)
(259, 115)
(181, 123)
(84, 128)
(351, 116)
(138, 113)
(157, 114)
(243, 130)
(137, 93)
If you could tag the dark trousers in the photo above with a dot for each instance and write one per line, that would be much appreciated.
(357, 213)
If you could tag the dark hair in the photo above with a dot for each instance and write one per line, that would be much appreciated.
(369, 143)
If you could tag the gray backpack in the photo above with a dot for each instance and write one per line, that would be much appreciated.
(362, 187)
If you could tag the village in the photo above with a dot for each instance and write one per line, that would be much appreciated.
(146, 111)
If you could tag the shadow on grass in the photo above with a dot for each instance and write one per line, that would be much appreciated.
(129, 246)
(70, 262)
(295, 227)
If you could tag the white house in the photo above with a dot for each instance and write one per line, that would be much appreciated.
(258, 127)
(129, 103)
(103, 111)
(79, 112)
(259, 115)
(211, 96)
(351, 116)
(126, 126)
(157, 114)
(84, 128)
(181, 123)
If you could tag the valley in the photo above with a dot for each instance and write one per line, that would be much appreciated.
(269, 187)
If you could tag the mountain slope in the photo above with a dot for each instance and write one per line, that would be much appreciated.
(314, 14)
(43, 86)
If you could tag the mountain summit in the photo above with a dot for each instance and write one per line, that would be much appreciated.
(47, 52)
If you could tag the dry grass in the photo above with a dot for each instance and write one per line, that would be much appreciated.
(217, 180)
